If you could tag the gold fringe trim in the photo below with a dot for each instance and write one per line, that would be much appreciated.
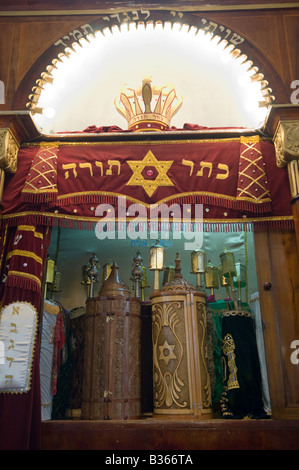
(26, 254)
(49, 218)
(203, 194)
(32, 277)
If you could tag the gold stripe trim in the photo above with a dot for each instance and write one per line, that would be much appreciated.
(27, 275)
(30, 228)
(27, 254)
(145, 142)
(37, 191)
(169, 198)
(49, 145)
(96, 219)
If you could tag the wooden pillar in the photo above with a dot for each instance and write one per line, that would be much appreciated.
(9, 148)
(283, 126)
(277, 264)
(278, 279)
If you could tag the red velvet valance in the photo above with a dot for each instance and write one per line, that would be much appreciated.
(236, 179)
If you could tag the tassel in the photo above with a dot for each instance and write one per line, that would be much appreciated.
(23, 283)
(85, 198)
(38, 197)
(66, 221)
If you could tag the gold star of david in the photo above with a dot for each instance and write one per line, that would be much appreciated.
(170, 354)
(150, 186)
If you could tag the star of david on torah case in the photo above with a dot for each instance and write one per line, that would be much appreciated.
(181, 379)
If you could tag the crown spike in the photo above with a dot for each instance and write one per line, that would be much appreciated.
(158, 106)
(138, 109)
(128, 108)
(147, 96)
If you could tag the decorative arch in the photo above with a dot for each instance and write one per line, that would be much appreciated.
(238, 46)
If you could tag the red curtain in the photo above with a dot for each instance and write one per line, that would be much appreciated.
(23, 254)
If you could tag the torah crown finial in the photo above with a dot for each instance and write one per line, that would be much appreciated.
(148, 108)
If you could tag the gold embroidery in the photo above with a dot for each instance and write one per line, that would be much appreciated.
(247, 139)
(255, 165)
(228, 347)
(150, 160)
(37, 177)
(49, 145)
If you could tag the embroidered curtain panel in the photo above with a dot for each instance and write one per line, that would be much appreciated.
(236, 179)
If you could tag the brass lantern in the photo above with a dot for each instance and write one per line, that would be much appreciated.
(211, 277)
(228, 264)
(229, 270)
(156, 262)
(240, 278)
(198, 266)
(224, 282)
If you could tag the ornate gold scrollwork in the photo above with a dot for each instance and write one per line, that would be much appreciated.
(9, 148)
(228, 347)
(286, 142)
(168, 355)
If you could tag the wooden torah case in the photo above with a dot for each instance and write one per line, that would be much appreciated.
(180, 374)
(112, 378)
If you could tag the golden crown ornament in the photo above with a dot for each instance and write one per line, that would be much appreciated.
(136, 106)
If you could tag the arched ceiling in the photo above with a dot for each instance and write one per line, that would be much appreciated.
(220, 84)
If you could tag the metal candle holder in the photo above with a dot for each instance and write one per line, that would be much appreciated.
(240, 279)
(156, 262)
(137, 274)
(211, 277)
(198, 266)
(229, 271)
(223, 281)
(92, 273)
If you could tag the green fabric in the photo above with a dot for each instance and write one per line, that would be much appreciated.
(246, 399)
